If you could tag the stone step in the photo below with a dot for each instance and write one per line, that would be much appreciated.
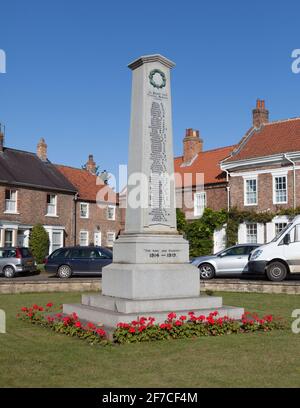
(142, 306)
(110, 318)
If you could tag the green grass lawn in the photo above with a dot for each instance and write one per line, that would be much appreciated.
(31, 356)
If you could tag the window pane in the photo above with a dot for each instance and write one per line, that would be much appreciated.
(251, 191)
(280, 189)
(110, 212)
(83, 238)
(251, 233)
(8, 238)
(199, 203)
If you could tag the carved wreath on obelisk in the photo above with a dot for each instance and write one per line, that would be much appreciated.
(162, 76)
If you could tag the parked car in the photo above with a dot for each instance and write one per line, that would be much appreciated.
(68, 261)
(280, 257)
(15, 260)
(230, 261)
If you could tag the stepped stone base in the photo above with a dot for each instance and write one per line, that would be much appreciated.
(110, 311)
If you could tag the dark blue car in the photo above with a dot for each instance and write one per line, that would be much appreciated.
(68, 261)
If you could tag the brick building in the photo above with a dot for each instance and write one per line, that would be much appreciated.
(199, 176)
(98, 219)
(33, 191)
(61, 198)
(264, 172)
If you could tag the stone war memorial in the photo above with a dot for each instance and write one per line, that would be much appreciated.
(151, 274)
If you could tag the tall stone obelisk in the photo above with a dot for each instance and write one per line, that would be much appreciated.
(150, 273)
(151, 260)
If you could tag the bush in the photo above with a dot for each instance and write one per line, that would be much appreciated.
(39, 243)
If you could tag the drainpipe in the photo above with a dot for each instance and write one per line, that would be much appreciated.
(228, 190)
(75, 218)
(294, 179)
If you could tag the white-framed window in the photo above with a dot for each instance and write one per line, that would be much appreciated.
(279, 226)
(10, 201)
(84, 210)
(251, 233)
(83, 238)
(250, 191)
(280, 190)
(57, 239)
(110, 238)
(199, 203)
(8, 238)
(97, 238)
(51, 205)
(111, 212)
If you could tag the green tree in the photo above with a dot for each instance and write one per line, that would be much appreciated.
(39, 243)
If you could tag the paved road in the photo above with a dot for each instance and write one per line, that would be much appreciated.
(43, 277)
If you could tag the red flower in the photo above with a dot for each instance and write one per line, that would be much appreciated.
(91, 326)
(142, 328)
(41, 309)
(78, 325)
(172, 316)
(101, 332)
(30, 314)
(58, 315)
(182, 318)
(50, 304)
(24, 309)
(178, 323)
(35, 307)
(201, 318)
(132, 330)
(75, 316)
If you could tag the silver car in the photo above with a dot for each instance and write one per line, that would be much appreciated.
(15, 260)
(230, 261)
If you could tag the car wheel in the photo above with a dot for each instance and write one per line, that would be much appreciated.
(276, 271)
(207, 271)
(9, 272)
(64, 272)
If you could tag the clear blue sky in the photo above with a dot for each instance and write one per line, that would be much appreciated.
(67, 78)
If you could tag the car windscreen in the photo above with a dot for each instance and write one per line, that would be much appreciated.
(280, 234)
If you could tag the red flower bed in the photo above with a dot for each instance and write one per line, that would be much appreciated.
(69, 325)
(145, 328)
(192, 326)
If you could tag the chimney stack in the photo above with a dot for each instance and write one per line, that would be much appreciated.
(42, 149)
(91, 165)
(260, 114)
(192, 145)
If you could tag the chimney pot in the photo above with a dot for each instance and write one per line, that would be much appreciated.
(91, 165)
(260, 114)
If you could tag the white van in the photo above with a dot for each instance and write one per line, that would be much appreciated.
(279, 257)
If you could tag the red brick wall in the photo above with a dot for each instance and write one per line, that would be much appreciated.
(32, 208)
(97, 217)
(265, 192)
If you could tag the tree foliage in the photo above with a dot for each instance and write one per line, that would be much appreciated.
(39, 243)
